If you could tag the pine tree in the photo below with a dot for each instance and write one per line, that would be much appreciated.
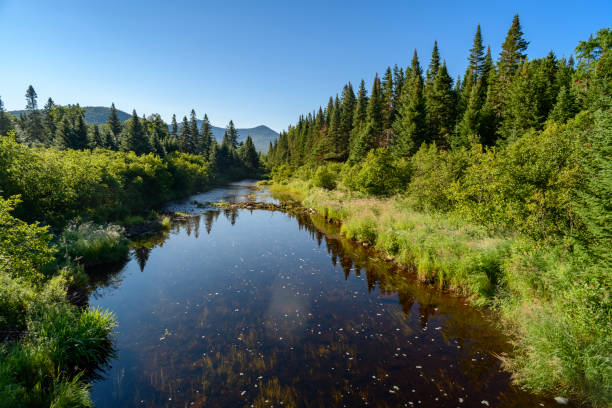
(158, 134)
(409, 126)
(441, 108)
(521, 106)
(207, 137)
(113, 121)
(370, 136)
(332, 144)
(193, 143)
(34, 127)
(49, 120)
(230, 137)
(513, 51)
(95, 139)
(6, 124)
(347, 109)
(565, 108)
(248, 155)
(387, 92)
(64, 135)
(469, 128)
(434, 65)
(174, 131)
(134, 136)
(183, 139)
(476, 59)
(359, 114)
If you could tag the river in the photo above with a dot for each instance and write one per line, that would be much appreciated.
(243, 308)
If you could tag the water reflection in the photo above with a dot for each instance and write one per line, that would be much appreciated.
(257, 313)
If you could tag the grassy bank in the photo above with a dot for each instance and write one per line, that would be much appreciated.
(553, 307)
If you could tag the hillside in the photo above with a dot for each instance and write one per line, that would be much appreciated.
(261, 135)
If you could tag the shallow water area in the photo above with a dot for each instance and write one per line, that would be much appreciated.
(238, 308)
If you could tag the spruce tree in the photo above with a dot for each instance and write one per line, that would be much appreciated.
(565, 107)
(370, 136)
(513, 51)
(80, 134)
(476, 59)
(248, 155)
(387, 93)
(34, 127)
(521, 105)
(441, 108)
(207, 137)
(113, 121)
(94, 137)
(409, 126)
(134, 136)
(230, 137)
(469, 128)
(6, 124)
(174, 129)
(183, 139)
(193, 143)
(333, 142)
(347, 109)
(49, 120)
(64, 138)
(359, 114)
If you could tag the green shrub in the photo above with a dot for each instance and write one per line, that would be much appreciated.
(324, 178)
(379, 175)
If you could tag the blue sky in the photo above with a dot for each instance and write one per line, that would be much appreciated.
(256, 62)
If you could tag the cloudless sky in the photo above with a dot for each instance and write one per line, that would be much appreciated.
(256, 62)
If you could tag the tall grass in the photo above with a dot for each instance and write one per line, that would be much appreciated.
(90, 244)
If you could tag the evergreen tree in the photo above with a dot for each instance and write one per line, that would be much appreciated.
(113, 121)
(207, 137)
(565, 108)
(359, 114)
(469, 128)
(398, 84)
(34, 127)
(49, 120)
(95, 139)
(230, 137)
(370, 136)
(174, 131)
(134, 136)
(513, 51)
(333, 142)
(441, 108)
(409, 126)
(183, 139)
(476, 59)
(64, 138)
(6, 124)
(158, 134)
(387, 92)
(347, 109)
(434, 65)
(521, 106)
(248, 155)
(193, 143)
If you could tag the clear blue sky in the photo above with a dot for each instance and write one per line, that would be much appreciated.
(256, 62)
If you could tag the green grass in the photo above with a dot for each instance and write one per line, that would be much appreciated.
(90, 244)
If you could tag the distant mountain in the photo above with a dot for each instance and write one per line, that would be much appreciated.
(261, 135)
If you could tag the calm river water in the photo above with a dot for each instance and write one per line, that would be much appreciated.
(256, 308)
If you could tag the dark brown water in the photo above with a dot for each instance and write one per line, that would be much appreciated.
(255, 308)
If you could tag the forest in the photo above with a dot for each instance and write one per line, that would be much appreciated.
(69, 192)
(496, 185)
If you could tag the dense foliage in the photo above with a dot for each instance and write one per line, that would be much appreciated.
(500, 186)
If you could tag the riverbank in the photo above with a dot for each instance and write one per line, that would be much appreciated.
(561, 347)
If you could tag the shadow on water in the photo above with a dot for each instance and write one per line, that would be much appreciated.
(255, 308)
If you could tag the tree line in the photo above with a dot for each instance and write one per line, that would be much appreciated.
(64, 127)
(493, 103)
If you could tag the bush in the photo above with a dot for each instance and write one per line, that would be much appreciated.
(379, 175)
(324, 178)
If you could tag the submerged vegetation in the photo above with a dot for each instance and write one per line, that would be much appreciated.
(497, 186)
